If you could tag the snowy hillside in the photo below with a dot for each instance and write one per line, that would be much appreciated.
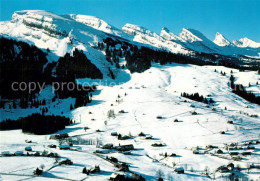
(156, 92)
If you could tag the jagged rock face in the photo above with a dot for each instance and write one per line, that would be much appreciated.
(169, 35)
(220, 40)
(139, 30)
(188, 36)
(143, 35)
(41, 20)
(195, 40)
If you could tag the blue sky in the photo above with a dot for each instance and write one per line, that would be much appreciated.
(233, 18)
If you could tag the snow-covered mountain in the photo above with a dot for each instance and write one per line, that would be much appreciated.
(196, 41)
(48, 30)
(98, 24)
(220, 40)
(143, 35)
(64, 33)
(246, 42)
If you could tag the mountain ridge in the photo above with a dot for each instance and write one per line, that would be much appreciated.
(63, 33)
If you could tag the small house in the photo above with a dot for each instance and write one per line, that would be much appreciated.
(159, 117)
(103, 151)
(196, 152)
(108, 146)
(222, 169)
(250, 147)
(114, 134)
(233, 153)
(122, 167)
(158, 144)
(5, 153)
(116, 177)
(96, 169)
(18, 153)
(28, 148)
(64, 147)
(125, 147)
(52, 146)
(59, 136)
(125, 137)
(66, 162)
(211, 147)
(148, 137)
(246, 153)
(179, 170)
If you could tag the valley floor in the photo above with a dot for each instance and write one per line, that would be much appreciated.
(151, 103)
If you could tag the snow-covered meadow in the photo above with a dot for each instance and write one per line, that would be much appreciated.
(143, 98)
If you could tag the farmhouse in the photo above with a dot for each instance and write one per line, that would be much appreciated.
(114, 134)
(52, 146)
(96, 169)
(122, 167)
(59, 136)
(5, 153)
(18, 153)
(233, 153)
(108, 146)
(222, 169)
(148, 137)
(28, 148)
(116, 177)
(125, 147)
(64, 147)
(196, 152)
(179, 170)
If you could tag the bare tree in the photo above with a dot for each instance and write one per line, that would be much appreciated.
(159, 174)
(248, 167)
(206, 170)
(214, 175)
(111, 114)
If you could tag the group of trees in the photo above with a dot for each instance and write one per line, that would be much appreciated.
(240, 90)
(76, 66)
(197, 97)
(21, 62)
(26, 102)
(139, 59)
(37, 124)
